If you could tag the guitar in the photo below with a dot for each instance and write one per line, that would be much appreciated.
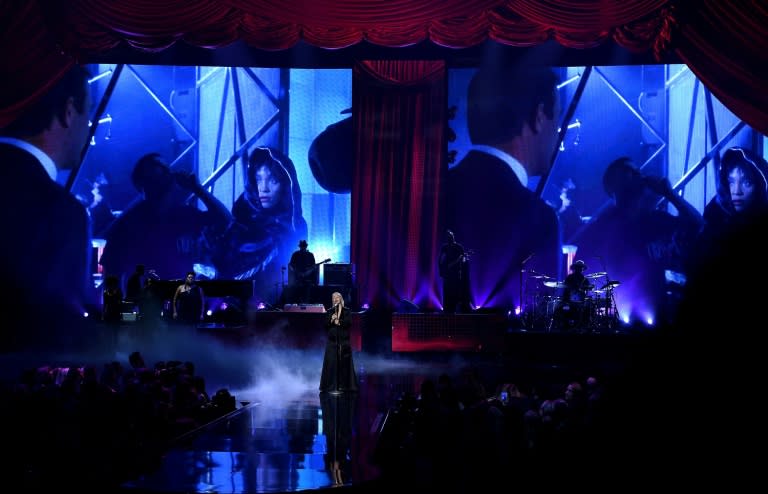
(461, 259)
(304, 275)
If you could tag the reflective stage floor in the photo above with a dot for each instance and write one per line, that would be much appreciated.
(284, 436)
(305, 444)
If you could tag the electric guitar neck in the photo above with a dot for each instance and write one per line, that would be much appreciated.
(305, 273)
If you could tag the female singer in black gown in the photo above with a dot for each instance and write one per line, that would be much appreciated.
(338, 368)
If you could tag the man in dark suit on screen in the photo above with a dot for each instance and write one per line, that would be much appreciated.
(46, 261)
(512, 119)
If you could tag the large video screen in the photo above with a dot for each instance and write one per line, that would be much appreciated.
(605, 171)
(217, 170)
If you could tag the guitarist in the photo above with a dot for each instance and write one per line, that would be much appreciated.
(302, 274)
(454, 269)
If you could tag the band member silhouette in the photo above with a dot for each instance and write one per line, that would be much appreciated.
(454, 269)
(302, 274)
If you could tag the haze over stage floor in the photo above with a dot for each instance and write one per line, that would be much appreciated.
(435, 333)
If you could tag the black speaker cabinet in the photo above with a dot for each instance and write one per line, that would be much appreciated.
(337, 274)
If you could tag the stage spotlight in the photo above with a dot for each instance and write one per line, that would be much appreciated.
(102, 75)
(227, 310)
(107, 120)
(568, 81)
(366, 306)
(515, 320)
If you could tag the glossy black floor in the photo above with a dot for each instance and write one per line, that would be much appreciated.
(263, 447)
(285, 436)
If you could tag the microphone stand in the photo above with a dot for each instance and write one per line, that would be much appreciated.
(338, 311)
(338, 361)
(611, 310)
(522, 270)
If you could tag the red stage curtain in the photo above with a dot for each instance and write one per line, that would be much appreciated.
(722, 42)
(399, 122)
(30, 59)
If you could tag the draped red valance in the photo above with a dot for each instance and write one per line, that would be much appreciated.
(722, 42)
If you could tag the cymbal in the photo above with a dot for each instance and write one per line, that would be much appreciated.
(541, 277)
(610, 284)
(554, 284)
(601, 291)
(596, 275)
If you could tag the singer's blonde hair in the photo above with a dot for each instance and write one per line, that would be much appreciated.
(340, 296)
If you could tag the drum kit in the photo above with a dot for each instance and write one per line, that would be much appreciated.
(594, 310)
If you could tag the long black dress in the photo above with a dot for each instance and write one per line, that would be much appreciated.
(338, 368)
(189, 305)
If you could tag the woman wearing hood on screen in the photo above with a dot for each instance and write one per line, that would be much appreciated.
(268, 222)
(742, 189)
(742, 197)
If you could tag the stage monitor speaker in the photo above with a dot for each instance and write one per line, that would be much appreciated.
(304, 308)
(338, 274)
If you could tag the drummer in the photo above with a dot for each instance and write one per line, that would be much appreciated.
(576, 284)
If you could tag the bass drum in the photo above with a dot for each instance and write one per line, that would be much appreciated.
(540, 316)
(574, 316)
(551, 305)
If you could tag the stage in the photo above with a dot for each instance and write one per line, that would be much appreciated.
(436, 335)
(297, 326)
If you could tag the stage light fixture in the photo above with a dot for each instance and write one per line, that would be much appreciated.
(568, 81)
(108, 120)
(100, 76)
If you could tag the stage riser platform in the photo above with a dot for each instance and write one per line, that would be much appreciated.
(436, 333)
(283, 329)
(415, 332)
